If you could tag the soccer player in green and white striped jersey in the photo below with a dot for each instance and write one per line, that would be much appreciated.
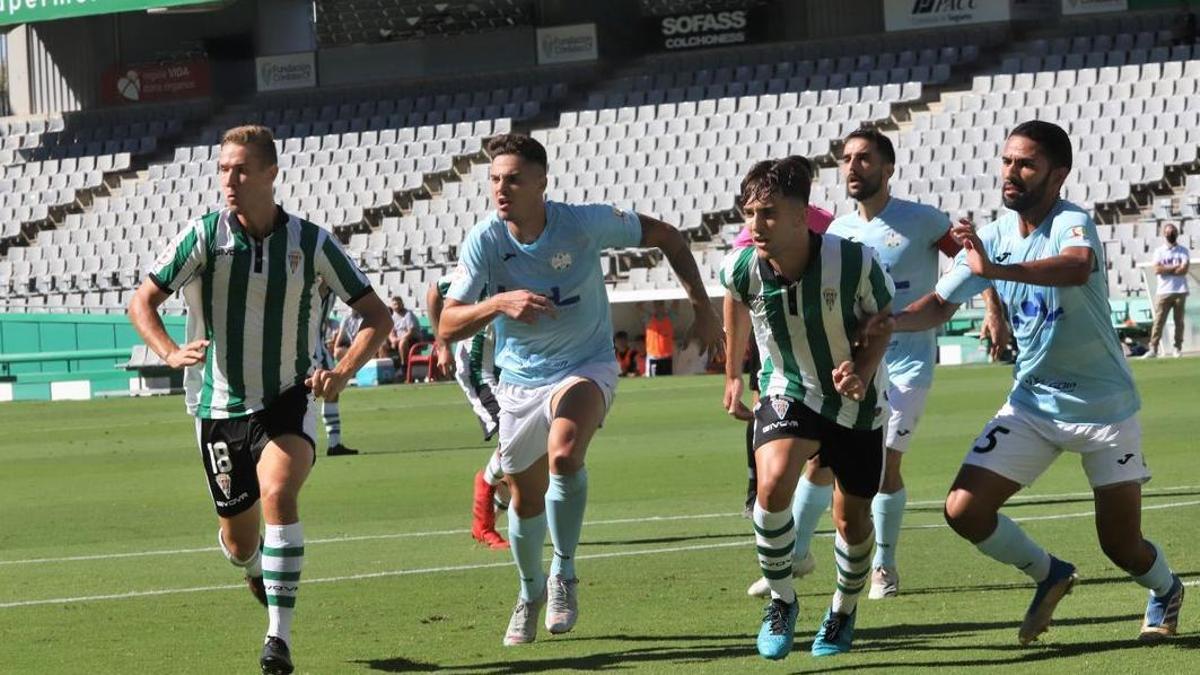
(331, 413)
(474, 366)
(250, 274)
(806, 296)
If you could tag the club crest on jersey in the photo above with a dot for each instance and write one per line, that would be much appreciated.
(780, 406)
(561, 261)
(893, 239)
(225, 483)
(829, 294)
(294, 260)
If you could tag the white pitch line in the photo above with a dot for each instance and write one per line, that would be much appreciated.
(338, 540)
(1017, 500)
(466, 568)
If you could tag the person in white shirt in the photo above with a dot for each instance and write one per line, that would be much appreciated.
(406, 330)
(1171, 265)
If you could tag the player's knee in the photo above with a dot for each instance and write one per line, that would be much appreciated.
(960, 515)
(564, 461)
(278, 500)
(771, 495)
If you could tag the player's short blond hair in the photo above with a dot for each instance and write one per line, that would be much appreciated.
(254, 136)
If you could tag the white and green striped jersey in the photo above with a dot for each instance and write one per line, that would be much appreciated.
(804, 329)
(483, 345)
(257, 303)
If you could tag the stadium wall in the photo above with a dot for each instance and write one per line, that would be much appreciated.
(69, 356)
(56, 66)
(443, 56)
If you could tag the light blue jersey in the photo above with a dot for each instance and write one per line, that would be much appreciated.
(1070, 367)
(905, 236)
(563, 264)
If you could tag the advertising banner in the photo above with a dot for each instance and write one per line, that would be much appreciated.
(286, 71)
(566, 44)
(1070, 7)
(707, 29)
(150, 83)
(918, 14)
(31, 11)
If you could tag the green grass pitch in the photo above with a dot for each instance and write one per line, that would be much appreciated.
(108, 561)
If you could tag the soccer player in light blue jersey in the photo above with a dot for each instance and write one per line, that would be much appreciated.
(541, 261)
(906, 236)
(1073, 389)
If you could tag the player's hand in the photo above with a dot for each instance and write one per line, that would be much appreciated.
(977, 258)
(878, 326)
(444, 359)
(187, 355)
(524, 306)
(706, 329)
(996, 329)
(326, 383)
(733, 400)
(848, 383)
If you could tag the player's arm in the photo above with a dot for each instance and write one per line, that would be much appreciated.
(372, 333)
(929, 311)
(441, 348)
(995, 323)
(737, 337)
(461, 320)
(1071, 267)
(705, 327)
(850, 378)
(143, 314)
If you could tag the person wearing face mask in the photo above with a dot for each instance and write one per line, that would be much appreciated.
(1171, 264)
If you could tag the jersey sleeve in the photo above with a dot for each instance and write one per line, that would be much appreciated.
(1075, 228)
(339, 271)
(735, 273)
(470, 276)
(876, 288)
(960, 284)
(181, 261)
(609, 226)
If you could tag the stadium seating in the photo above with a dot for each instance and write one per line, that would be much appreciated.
(399, 172)
(341, 22)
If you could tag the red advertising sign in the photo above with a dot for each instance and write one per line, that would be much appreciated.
(152, 82)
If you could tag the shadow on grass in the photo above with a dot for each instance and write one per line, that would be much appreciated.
(877, 642)
(617, 660)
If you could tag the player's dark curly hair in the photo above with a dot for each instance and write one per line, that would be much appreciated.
(1050, 137)
(877, 138)
(788, 177)
(525, 147)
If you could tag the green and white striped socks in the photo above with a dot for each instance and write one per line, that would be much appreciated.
(282, 558)
(775, 538)
(853, 569)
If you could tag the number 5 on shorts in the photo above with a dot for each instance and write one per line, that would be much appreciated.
(218, 457)
(991, 439)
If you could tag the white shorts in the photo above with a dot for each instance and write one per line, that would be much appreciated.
(907, 404)
(525, 413)
(1020, 446)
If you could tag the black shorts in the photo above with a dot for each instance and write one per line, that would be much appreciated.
(855, 456)
(230, 448)
(660, 366)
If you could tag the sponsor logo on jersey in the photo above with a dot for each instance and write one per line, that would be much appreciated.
(893, 239)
